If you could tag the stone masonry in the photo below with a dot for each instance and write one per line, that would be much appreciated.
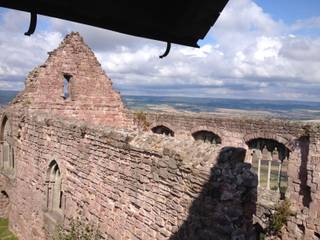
(301, 138)
(90, 94)
(133, 189)
(82, 153)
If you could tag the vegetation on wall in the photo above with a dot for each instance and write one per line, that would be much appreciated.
(280, 217)
(140, 119)
(78, 229)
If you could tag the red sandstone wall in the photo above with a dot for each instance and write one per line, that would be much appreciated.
(112, 179)
(233, 130)
(91, 98)
(135, 190)
(302, 139)
(310, 220)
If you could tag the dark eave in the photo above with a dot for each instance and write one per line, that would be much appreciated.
(176, 21)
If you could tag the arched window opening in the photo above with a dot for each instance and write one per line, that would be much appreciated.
(54, 192)
(269, 160)
(7, 149)
(163, 130)
(66, 86)
(12, 159)
(207, 137)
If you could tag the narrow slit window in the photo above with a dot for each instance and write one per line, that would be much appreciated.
(60, 201)
(66, 86)
(12, 158)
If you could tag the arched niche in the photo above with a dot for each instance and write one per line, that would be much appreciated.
(206, 136)
(7, 159)
(161, 129)
(269, 159)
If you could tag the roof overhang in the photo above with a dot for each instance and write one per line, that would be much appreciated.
(175, 21)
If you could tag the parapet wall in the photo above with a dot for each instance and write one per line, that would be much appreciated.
(232, 130)
(135, 185)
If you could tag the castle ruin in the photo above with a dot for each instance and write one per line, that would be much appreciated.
(69, 145)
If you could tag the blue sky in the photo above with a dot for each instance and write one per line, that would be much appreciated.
(290, 11)
(258, 49)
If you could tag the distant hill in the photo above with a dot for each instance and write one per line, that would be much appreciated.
(7, 96)
(297, 110)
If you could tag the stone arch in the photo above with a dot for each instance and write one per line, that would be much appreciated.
(206, 134)
(214, 130)
(270, 145)
(287, 142)
(7, 159)
(4, 204)
(163, 123)
(54, 188)
(269, 159)
(163, 129)
(4, 120)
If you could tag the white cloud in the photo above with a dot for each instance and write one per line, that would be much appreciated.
(20, 54)
(251, 55)
(313, 22)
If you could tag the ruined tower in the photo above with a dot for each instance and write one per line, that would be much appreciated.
(72, 84)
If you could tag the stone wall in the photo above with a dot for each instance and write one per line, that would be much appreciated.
(309, 221)
(90, 94)
(152, 181)
(135, 185)
(301, 138)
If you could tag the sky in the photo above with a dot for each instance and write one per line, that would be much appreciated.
(262, 49)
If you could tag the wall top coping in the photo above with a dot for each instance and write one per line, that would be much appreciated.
(211, 116)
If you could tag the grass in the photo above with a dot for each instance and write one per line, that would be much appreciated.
(273, 175)
(5, 233)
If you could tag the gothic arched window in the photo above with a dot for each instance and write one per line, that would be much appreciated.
(54, 191)
(7, 149)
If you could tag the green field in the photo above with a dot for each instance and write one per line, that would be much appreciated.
(5, 233)
(273, 175)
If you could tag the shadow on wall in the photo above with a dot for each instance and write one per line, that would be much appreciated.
(305, 190)
(225, 207)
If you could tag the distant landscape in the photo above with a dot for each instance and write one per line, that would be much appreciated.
(293, 110)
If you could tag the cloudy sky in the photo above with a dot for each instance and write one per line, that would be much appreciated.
(262, 49)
